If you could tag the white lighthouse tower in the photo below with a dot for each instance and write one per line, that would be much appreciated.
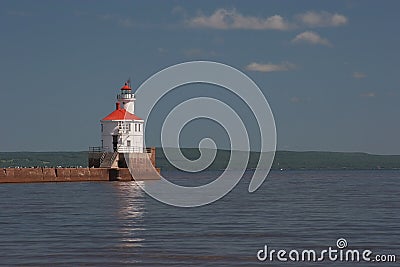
(122, 131)
(127, 98)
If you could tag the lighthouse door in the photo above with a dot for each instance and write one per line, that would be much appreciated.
(115, 142)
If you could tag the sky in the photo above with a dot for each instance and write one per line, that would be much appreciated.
(329, 69)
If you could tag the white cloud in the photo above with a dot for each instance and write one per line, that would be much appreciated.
(358, 75)
(368, 94)
(310, 37)
(321, 19)
(269, 67)
(225, 19)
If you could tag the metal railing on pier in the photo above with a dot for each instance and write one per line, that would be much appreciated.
(131, 149)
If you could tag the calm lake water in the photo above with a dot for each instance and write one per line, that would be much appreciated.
(116, 224)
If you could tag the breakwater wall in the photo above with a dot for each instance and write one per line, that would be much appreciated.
(39, 175)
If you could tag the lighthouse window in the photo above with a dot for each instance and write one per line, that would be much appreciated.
(124, 126)
(135, 127)
(101, 127)
(139, 127)
(128, 143)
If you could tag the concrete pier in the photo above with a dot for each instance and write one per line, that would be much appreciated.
(40, 175)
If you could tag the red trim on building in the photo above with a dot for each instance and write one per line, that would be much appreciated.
(120, 115)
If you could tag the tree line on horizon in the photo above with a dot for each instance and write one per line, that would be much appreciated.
(285, 160)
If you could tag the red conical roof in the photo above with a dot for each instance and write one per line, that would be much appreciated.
(120, 114)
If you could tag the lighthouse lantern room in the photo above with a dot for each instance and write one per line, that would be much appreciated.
(122, 131)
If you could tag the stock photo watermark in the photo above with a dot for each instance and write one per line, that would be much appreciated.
(234, 81)
(340, 253)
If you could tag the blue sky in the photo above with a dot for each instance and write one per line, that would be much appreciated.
(330, 70)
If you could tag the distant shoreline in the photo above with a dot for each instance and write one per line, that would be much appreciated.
(285, 160)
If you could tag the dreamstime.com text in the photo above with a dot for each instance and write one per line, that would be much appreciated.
(338, 253)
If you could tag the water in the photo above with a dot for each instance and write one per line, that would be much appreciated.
(116, 224)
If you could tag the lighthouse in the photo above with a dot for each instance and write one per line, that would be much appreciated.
(121, 130)
(122, 138)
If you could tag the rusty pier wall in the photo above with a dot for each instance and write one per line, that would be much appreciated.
(38, 175)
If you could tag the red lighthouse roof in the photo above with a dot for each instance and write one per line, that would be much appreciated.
(120, 114)
(126, 87)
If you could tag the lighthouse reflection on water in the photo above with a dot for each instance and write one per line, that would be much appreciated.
(130, 212)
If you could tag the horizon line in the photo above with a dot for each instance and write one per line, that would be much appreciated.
(221, 149)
